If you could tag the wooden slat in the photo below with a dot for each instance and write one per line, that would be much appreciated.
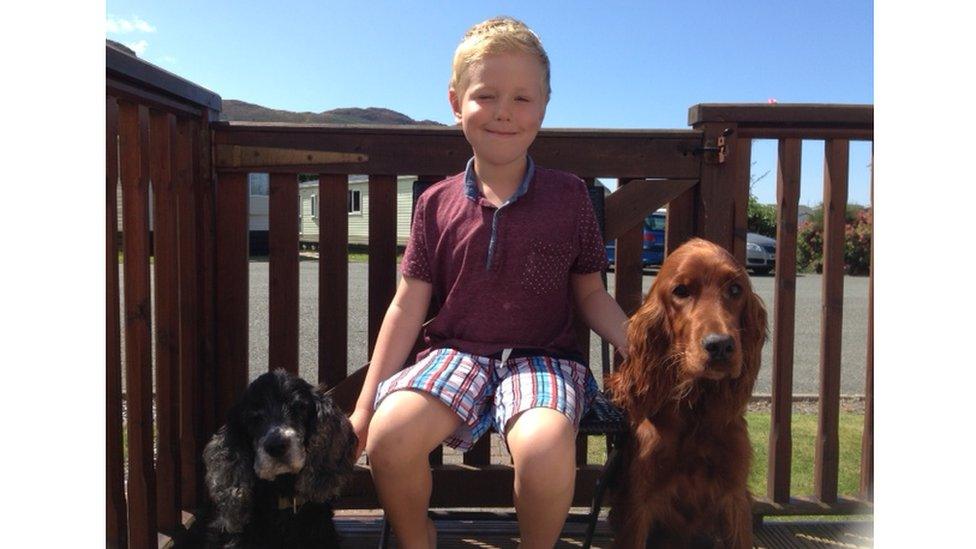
(333, 278)
(835, 202)
(191, 415)
(665, 154)
(115, 519)
(134, 168)
(740, 198)
(283, 273)
(382, 250)
(784, 310)
(231, 289)
(205, 197)
(867, 436)
(680, 220)
(631, 203)
(162, 138)
(714, 209)
(628, 267)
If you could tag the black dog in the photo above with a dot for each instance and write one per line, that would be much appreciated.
(272, 469)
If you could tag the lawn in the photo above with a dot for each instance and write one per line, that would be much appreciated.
(804, 449)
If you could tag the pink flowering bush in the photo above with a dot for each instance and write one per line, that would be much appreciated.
(857, 242)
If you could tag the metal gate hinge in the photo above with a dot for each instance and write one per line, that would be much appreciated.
(718, 153)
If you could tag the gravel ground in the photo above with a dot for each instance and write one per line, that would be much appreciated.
(806, 336)
(806, 354)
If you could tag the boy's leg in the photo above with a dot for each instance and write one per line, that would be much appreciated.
(542, 442)
(403, 431)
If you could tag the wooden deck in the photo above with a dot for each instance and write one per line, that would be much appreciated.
(363, 531)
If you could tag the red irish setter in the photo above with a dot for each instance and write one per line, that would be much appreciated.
(695, 349)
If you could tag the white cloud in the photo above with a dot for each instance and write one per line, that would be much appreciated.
(117, 25)
(138, 47)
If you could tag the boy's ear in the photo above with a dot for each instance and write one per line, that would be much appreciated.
(452, 96)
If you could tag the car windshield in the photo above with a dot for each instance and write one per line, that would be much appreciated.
(654, 222)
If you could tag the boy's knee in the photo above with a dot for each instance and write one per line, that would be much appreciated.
(542, 438)
(405, 428)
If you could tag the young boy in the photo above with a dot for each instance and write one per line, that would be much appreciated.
(506, 247)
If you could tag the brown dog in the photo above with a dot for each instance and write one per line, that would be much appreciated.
(695, 348)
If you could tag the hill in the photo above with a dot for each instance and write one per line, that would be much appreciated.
(242, 111)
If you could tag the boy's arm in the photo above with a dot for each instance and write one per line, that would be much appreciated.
(398, 333)
(600, 312)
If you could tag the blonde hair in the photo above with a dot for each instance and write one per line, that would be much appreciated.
(494, 36)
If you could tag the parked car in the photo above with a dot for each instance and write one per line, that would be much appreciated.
(760, 253)
(652, 252)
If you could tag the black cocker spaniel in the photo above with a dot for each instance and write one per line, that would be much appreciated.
(273, 468)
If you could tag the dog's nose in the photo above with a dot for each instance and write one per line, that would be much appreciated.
(718, 346)
(275, 445)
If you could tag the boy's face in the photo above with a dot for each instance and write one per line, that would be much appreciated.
(502, 107)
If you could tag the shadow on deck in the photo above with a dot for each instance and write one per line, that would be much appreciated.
(363, 531)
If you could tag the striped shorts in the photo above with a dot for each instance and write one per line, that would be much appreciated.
(486, 391)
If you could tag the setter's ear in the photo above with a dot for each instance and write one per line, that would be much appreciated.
(644, 381)
(753, 333)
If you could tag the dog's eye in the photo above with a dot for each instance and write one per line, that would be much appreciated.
(254, 416)
(735, 290)
(681, 291)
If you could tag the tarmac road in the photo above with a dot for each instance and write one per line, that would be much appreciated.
(806, 342)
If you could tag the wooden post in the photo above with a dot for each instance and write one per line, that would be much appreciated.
(115, 516)
(191, 406)
(740, 198)
(134, 167)
(333, 278)
(715, 201)
(867, 436)
(382, 250)
(231, 290)
(784, 310)
(283, 272)
(206, 224)
(835, 205)
(162, 137)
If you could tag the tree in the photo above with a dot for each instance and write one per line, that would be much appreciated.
(760, 218)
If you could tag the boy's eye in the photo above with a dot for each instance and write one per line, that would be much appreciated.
(485, 97)
(525, 99)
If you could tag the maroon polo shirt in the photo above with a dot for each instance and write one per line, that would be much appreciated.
(502, 274)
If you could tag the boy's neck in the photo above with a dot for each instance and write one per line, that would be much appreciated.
(499, 182)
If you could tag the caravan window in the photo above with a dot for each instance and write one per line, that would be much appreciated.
(354, 202)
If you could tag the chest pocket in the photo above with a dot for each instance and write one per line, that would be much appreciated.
(546, 267)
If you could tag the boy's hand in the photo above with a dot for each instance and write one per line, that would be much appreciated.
(360, 425)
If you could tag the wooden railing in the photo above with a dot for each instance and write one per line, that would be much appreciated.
(163, 129)
(837, 125)
(157, 129)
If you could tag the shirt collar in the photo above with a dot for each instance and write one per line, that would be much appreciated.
(471, 181)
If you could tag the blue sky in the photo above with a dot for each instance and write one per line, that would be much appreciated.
(614, 64)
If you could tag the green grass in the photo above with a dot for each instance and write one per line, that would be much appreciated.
(804, 448)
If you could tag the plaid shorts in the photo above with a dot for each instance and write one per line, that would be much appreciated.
(487, 391)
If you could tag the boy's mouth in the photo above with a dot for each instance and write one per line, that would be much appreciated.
(502, 134)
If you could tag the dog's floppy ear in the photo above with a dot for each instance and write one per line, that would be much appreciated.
(643, 382)
(229, 462)
(329, 448)
(753, 333)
